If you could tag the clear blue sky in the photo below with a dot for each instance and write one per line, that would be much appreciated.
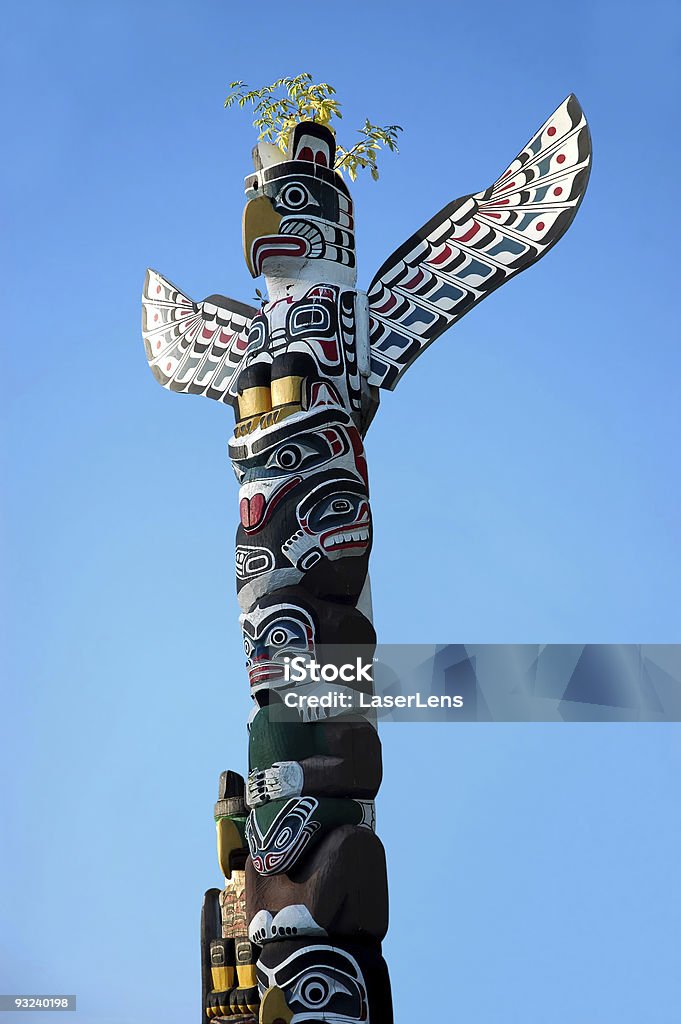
(525, 479)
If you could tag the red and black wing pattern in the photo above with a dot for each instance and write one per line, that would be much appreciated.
(477, 243)
(193, 347)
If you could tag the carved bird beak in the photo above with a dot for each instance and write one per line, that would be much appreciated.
(230, 841)
(273, 1008)
(260, 220)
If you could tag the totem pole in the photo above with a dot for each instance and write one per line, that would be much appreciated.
(295, 935)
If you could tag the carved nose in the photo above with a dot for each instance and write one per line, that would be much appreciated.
(273, 1008)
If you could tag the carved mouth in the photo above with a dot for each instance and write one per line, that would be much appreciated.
(304, 229)
(345, 537)
(296, 238)
(264, 672)
(277, 245)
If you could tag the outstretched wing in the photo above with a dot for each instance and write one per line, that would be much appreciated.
(195, 347)
(477, 243)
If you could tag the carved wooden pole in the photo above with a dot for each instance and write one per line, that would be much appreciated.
(295, 935)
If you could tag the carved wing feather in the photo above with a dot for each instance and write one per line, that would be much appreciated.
(477, 243)
(193, 347)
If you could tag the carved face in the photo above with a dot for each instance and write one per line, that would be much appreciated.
(299, 207)
(273, 634)
(322, 538)
(317, 984)
(334, 521)
(269, 464)
(282, 466)
(288, 624)
(304, 499)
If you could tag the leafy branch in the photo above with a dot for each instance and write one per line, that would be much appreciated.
(305, 100)
(364, 152)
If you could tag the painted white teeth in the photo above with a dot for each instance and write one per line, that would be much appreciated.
(347, 537)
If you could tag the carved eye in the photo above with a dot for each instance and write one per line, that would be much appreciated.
(288, 458)
(280, 636)
(339, 506)
(291, 456)
(248, 647)
(337, 509)
(296, 197)
(311, 317)
(315, 990)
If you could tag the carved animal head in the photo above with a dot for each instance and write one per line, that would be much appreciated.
(299, 209)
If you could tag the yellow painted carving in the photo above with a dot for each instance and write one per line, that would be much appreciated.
(273, 1008)
(260, 219)
(229, 840)
(254, 401)
(286, 390)
(223, 978)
